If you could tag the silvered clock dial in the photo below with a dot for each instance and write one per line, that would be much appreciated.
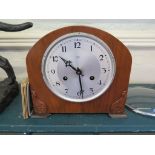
(78, 67)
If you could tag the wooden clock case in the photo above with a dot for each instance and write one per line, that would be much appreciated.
(111, 102)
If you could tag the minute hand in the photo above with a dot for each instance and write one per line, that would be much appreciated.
(81, 90)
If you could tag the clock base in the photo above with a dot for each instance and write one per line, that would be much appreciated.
(116, 108)
(114, 116)
(40, 109)
(40, 116)
(124, 115)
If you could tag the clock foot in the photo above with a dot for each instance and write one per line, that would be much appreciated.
(124, 115)
(40, 116)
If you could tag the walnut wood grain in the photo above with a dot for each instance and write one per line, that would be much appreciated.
(102, 104)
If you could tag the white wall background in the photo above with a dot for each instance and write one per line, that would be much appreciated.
(137, 35)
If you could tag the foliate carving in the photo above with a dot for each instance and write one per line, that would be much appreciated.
(117, 107)
(39, 106)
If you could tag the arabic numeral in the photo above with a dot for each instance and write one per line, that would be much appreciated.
(79, 93)
(105, 70)
(100, 82)
(66, 91)
(52, 71)
(91, 90)
(101, 57)
(55, 58)
(63, 48)
(57, 83)
(91, 48)
(77, 45)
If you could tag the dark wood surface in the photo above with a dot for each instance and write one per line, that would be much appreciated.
(11, 121)
(112, 101)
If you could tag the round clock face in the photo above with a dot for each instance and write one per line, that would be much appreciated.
(78, 67)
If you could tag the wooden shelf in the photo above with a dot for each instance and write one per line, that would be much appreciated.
(11, 121)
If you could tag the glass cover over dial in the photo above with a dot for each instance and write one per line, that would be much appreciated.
(78, 67)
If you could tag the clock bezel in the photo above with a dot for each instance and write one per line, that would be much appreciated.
(86, 35)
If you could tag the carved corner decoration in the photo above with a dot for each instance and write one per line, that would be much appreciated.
(117, 107)
(39, 106)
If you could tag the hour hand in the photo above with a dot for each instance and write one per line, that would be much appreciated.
(65, 61)
(68, 63)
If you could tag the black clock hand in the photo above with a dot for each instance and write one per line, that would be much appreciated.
(80, 73)
(68, 63)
